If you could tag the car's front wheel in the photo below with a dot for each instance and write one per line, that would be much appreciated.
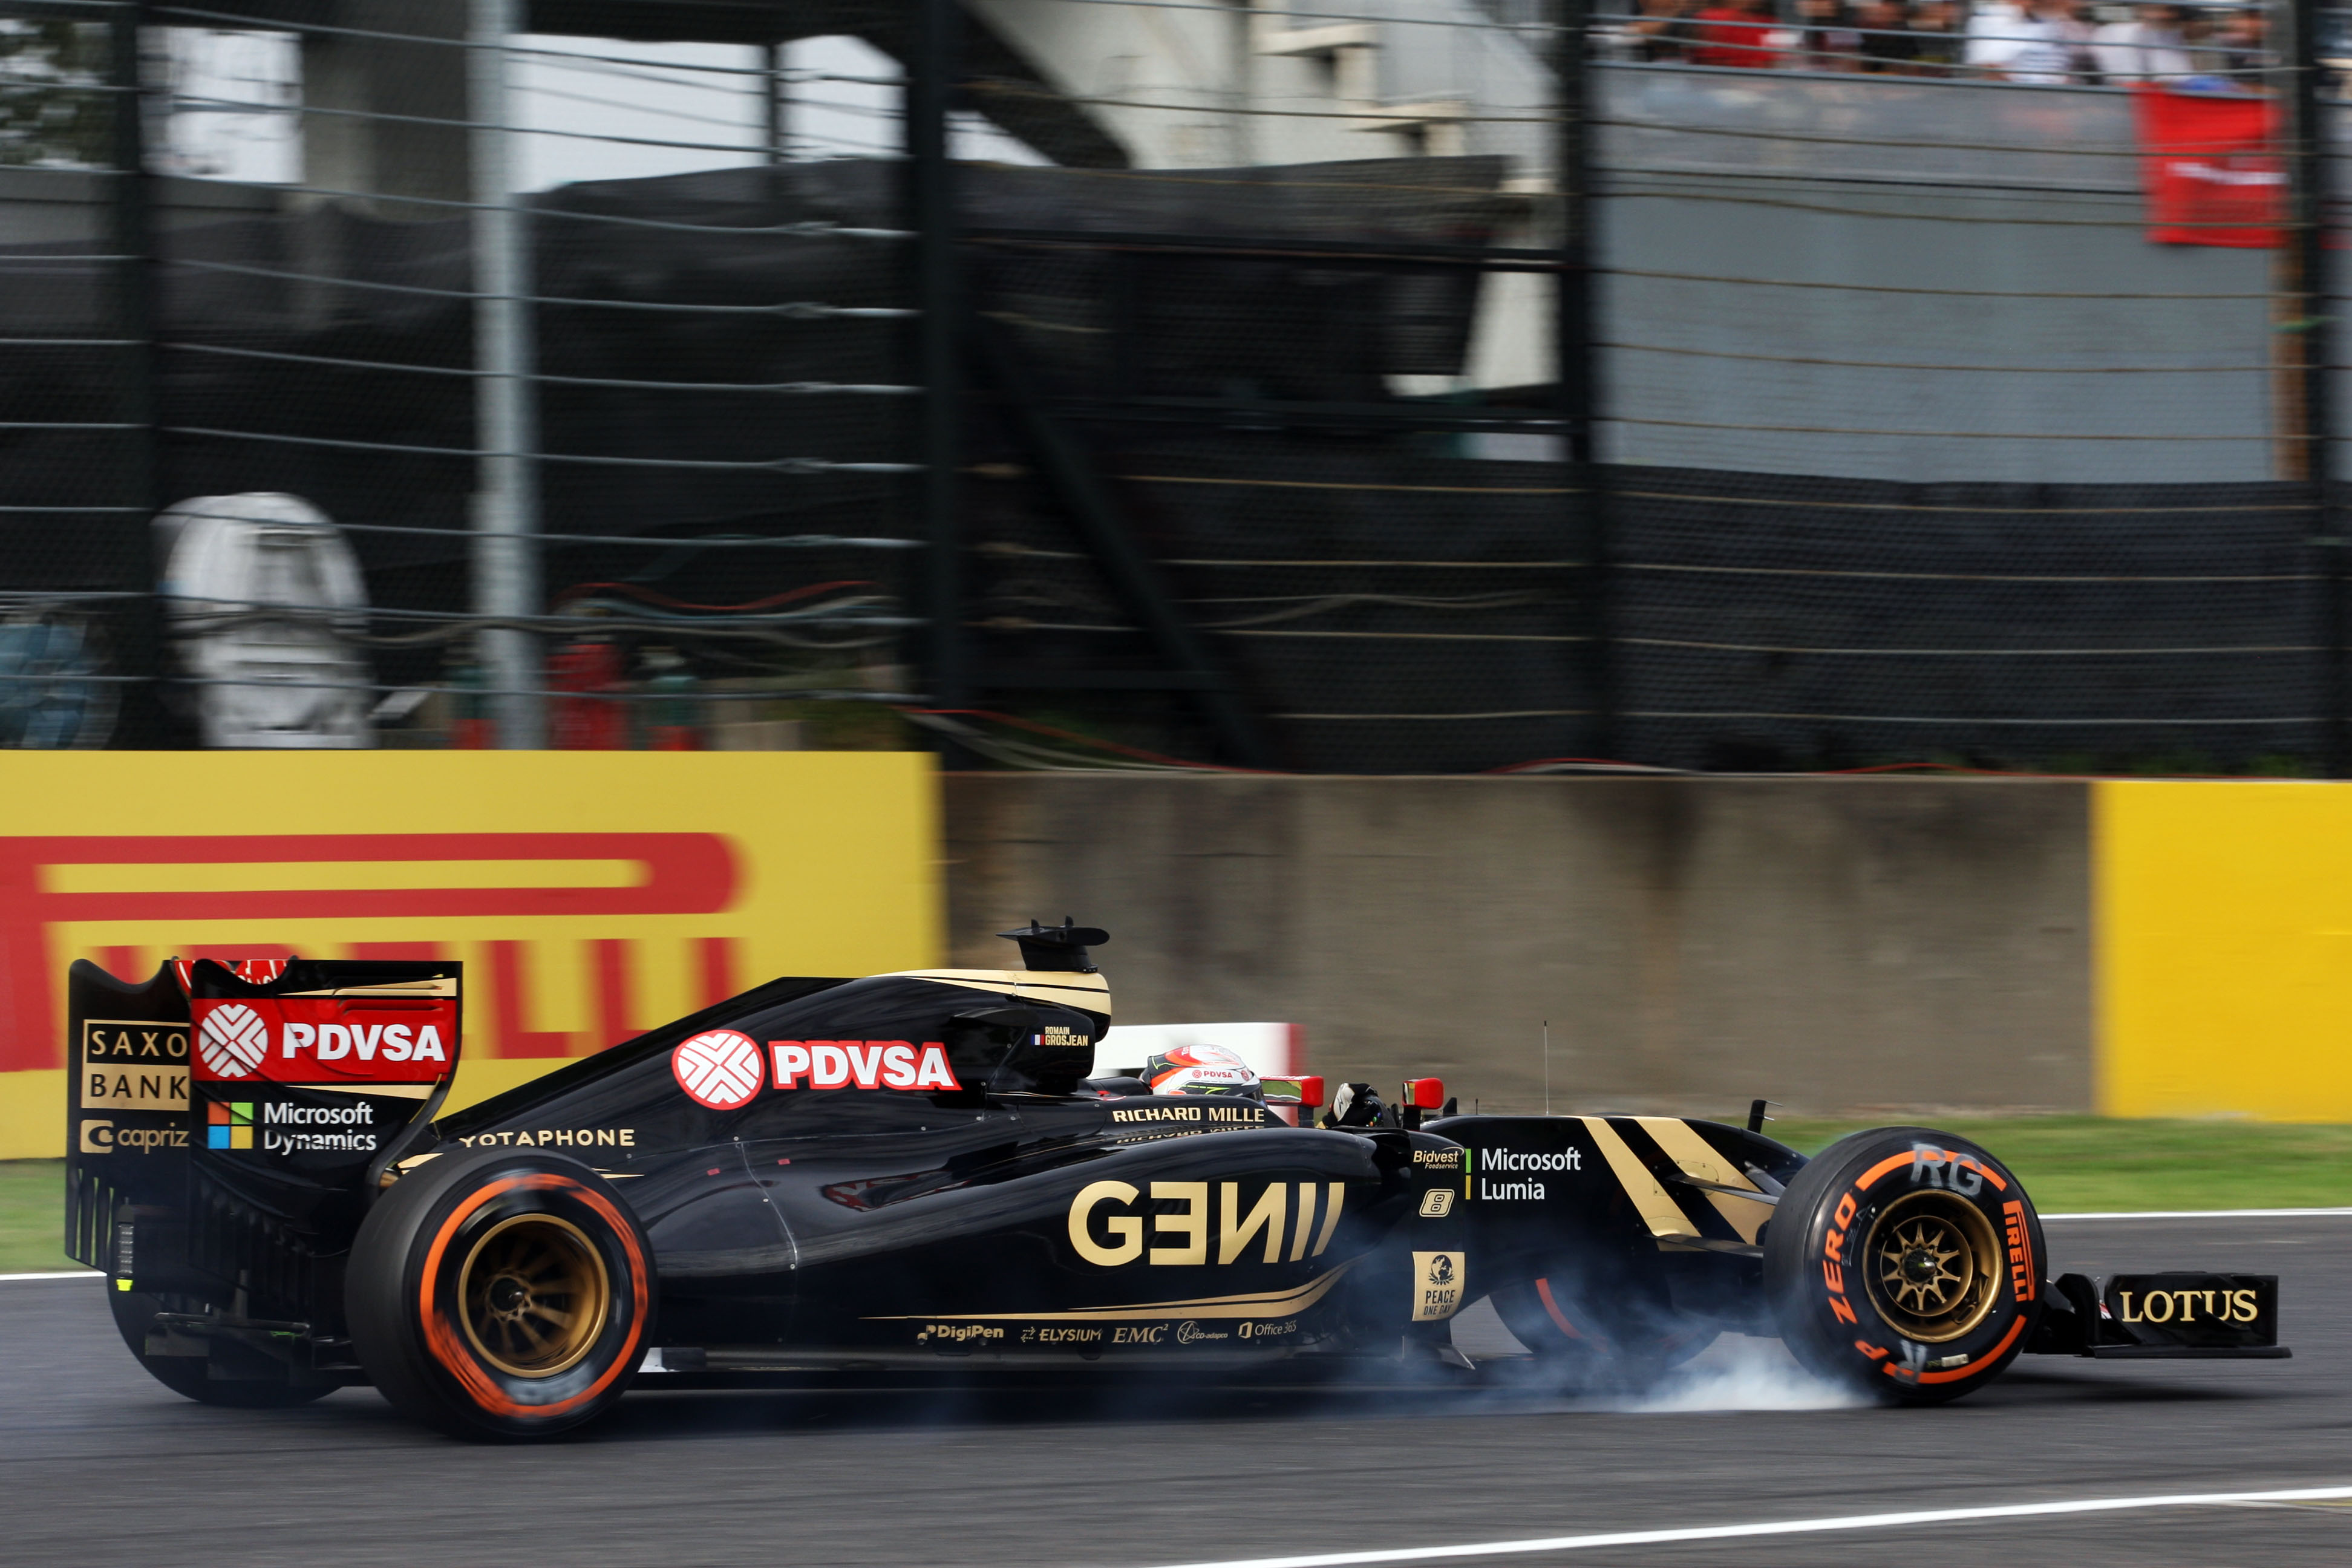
(501, 1294)
(1904, 1262)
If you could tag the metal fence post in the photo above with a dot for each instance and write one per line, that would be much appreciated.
(141, 722)
(2308, 173)
(775, 105)
(930, 77)
(506, 409)
(1577, 391)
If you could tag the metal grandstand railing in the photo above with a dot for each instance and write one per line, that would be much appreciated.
(1427, 386)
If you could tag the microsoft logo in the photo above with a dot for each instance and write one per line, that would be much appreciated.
(231, 1124)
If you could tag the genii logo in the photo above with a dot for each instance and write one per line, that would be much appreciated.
(1278, 1221)
(325, 1039)
(719, 1068)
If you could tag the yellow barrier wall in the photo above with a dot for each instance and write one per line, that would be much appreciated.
(2223, 914)
(591, 895)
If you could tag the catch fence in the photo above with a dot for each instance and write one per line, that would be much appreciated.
(1376, 386)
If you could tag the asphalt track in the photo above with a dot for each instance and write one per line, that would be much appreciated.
(98, 1465)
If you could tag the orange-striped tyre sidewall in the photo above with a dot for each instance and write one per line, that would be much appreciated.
(409, 1320)
(1907, 1263)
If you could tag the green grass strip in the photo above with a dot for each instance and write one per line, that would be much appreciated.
(33, 1215)
(2093, 1164)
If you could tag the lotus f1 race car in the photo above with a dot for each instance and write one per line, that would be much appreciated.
(923, 1173)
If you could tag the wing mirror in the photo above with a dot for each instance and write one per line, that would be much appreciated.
(1421, 1095)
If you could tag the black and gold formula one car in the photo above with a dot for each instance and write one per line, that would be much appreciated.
(921, 1172)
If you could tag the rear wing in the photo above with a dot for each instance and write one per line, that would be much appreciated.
(227, 1123)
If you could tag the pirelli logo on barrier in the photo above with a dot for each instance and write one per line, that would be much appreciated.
(591, 896)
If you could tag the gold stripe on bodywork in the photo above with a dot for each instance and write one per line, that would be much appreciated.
(1659, 1211)
(1269, 1304)
(1065, 988)
(442, 985)
(1702, 1160)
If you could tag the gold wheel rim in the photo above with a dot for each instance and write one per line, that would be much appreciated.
(1934, 1266)
(533, 1293)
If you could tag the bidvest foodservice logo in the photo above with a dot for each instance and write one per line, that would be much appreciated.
(723, 1068)
(303, 1039)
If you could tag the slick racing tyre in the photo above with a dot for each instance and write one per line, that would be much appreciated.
(190, 1377)
(498, 1294)
(1907, 1263)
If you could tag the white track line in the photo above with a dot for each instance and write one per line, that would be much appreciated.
(61, 1274)
(1783, 1527)
(2204, 1213)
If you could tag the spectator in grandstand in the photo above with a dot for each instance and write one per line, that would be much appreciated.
(2148, 47)
(1735, 33)
(2239, 45)
(1826, 39)
(1658, 30)
(1935, 35)
(1887, 45)
(2041, 42)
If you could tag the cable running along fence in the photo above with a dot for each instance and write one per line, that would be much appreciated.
(1431, 385)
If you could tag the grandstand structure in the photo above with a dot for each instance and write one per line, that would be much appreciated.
(1360, 386)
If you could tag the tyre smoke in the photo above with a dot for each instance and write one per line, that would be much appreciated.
(1740, 1373)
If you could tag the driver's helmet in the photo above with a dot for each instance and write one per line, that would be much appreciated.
(1201, 1070)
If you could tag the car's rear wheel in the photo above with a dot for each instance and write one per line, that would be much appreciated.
(1904, 1262)
(501, 1294)
(192, 1377)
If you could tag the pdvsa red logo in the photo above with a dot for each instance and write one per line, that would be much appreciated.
(233, 1042)
(720, 1068)
(324, 1039)
(868, 1064)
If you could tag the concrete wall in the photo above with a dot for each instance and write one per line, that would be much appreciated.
(1833, 944)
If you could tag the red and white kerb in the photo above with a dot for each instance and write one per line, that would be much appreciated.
(720, 1068)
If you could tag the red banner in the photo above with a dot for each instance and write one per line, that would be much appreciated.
(2213, 171)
